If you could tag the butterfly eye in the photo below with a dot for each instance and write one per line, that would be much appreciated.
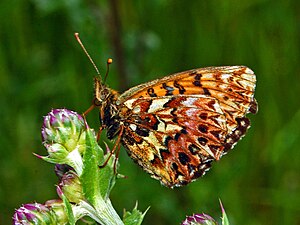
(97, 102)
(104, 94)
(101, 97)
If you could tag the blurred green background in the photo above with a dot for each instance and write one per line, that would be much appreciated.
(43, 67)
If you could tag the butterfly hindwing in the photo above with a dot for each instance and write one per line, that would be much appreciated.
(175, 138)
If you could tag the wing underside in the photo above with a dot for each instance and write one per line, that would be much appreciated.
(174, 127)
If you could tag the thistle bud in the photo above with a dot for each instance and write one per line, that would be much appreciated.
(199, 219)
(57, 206)
(61, 169)
(34, 213)
(71, 187)
(63, 134)
(204, 219)
(64, 127)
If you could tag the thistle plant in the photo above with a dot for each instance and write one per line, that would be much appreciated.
(84, 188)
(204, 219)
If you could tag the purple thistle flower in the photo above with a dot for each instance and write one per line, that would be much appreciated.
(52, 212)
(204, 219)
(60, 125)
(63, 134)
(33, 213)
(199, 219)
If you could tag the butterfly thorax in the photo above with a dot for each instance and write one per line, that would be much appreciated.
(105, 99)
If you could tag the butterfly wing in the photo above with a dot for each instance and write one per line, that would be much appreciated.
(175, 126)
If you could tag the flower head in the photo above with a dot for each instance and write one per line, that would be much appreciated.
(204, 219)
(199, 219)
(34, 213)
(71, 187)
(62, 126)
(63, 134)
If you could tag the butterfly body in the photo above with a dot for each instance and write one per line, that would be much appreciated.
(176, 126)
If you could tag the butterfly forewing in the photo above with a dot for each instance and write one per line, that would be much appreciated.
(232, 86)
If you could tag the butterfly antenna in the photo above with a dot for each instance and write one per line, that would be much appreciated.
(86, 52)
(109, 61)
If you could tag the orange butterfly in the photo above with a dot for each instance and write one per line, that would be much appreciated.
(175, 127)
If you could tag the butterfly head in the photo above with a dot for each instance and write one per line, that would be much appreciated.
(102, 92)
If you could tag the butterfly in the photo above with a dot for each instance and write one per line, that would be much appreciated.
(176, 126)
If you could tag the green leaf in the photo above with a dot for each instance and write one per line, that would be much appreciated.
(96, 180)
(135, 217)
(224, 216)
(108, 176)
(90, 178)
(68, 209)
(224, 219)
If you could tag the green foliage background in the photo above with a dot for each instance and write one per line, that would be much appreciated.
(42, 67)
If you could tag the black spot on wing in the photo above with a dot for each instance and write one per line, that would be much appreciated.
(167, 104)
(142, 131)
(202, 140)
(180, 87)
(164, 153)
(183, 158)
(177, 135)
(151, 92)
(203, 116)
(198, 76)
(237, 134)
(166, 141)
(194, 149)
(202, 168)
(169, 89)
(202, 128)
(206, 91)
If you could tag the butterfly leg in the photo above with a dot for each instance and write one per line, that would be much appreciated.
(116, 149)
(117, 158)
(88, 110)
(99, 133)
